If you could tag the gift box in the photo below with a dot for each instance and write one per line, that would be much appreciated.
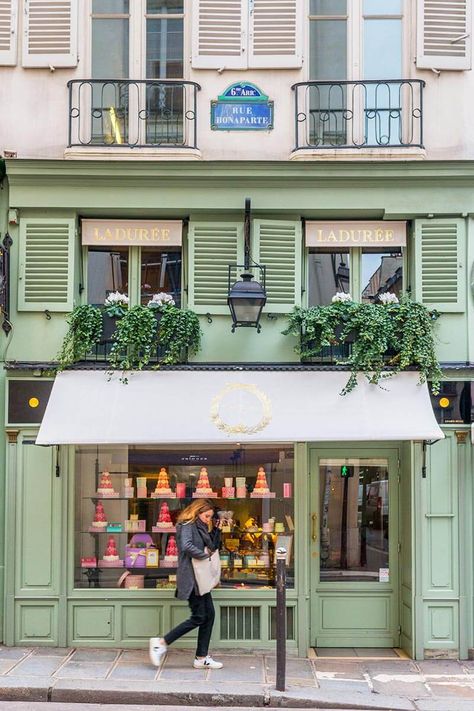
(89, 562)
(130, 581)
(132, 525)
(114, 528)
(136, 550)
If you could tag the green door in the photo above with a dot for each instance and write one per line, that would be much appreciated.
(354, 546)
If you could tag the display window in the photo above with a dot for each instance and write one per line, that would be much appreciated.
(128, 498)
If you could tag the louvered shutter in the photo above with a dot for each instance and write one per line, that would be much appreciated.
(46, 270)
(277, 246)
(275, 33)
(8, 31)
(50, 33)
(213, 246)
(440, 247)
(220, 30)
(444, 34)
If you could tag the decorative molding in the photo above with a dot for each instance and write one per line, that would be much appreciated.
(461, 436)
(241, 427)
(12, 436)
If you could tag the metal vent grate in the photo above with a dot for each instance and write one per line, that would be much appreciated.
(240, 623)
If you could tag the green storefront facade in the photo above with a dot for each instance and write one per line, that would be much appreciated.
(425, 603)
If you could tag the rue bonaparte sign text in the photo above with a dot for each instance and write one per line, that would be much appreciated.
(242, 107)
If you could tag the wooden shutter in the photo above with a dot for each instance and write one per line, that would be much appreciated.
(213, 246)
(46, 271)
(277, 246)
(220, 30)
(440, 247)
(275, 33)
(50, 33)
(444, 34)
(8, 31)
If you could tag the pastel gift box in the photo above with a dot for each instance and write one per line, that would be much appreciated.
(228, 481)
(142, 492)
(241, 492)
(151, 558)
(286, 490)
(128, 492)
(136, 550)
(114, 528)
(228, 492)
(141, 481)
(135, 525)
(180, 490)
(240, 481)
(89, 562)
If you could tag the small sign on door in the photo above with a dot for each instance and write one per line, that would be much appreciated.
(384, 576)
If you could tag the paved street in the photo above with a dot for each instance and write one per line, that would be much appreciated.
(97, 676)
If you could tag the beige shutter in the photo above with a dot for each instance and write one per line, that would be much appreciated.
(276, 244)
(440, 246)
(8, 31)
(46, 270)
(275, 33)
(212, 247)
(50, 33)
(444, 34)
(220, 29)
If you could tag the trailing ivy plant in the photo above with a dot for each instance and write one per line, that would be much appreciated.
(179, 334)
(134, 339)
(386, 337)
(84, 332)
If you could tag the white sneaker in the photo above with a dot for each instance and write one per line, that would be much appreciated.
(157, 650)
(207, 663)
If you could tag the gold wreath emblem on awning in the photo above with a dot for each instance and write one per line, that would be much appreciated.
(241, 428)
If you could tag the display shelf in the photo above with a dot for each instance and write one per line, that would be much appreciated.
(128, 533)
(185, 498)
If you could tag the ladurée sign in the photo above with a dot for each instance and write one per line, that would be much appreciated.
(168, 233)
(356, 234)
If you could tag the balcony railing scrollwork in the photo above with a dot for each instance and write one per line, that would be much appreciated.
(359, 114)
(160, 113)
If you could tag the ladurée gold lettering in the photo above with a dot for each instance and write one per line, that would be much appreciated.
(130, 232)
(353, 234)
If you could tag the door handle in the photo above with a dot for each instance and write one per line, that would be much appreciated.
(314, 534)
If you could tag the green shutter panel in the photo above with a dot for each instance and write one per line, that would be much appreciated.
(277, 246)
(441, 264)
(212, 247)
(46, 270)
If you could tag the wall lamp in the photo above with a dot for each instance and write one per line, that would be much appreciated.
(246, 298)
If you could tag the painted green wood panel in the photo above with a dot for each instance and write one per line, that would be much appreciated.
(46, 267)
(90, 622)
(140, 621)
(38, 539)
(437, 550)
(440, 253)
(406, 556)
(212, 247)
(277, 244)
(36, 622)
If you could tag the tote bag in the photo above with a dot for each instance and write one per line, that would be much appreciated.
(207, 572)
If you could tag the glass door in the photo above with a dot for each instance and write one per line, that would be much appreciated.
(354, 541)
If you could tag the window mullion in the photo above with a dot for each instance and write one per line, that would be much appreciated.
(355, 273)
(134, 275)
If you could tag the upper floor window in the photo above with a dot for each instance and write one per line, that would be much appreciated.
(138, 39)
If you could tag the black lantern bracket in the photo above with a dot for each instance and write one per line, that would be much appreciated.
(246, 298)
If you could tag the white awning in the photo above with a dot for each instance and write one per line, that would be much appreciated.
(185, 406)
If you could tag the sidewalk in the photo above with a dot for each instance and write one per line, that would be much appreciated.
(248, 679)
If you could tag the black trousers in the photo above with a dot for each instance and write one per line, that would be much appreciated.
(202, 616)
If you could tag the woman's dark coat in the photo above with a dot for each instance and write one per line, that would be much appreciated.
(191, 539)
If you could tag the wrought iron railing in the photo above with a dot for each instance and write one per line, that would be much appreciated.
(134, 113)
(359, 114)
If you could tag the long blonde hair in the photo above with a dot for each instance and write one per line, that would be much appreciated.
(191, 512)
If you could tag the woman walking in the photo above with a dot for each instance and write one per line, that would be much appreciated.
(194, 533)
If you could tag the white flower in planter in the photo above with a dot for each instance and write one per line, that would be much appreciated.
(161, 299)
(115, 298)
(341, 296)
(387, 298)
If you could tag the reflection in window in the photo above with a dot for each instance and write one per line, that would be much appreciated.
(107, 271)
(354, 519)
(160, 272)
(328, 273)
(382, 273)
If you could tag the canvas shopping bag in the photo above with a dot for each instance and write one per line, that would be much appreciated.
(207, 572)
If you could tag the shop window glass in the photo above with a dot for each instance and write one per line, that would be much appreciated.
(160, 272)
(328, 273)
(107, 271)
(354, 516)
(117, 516)
(381, 273)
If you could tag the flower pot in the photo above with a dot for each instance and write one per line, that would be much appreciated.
(109, 326)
